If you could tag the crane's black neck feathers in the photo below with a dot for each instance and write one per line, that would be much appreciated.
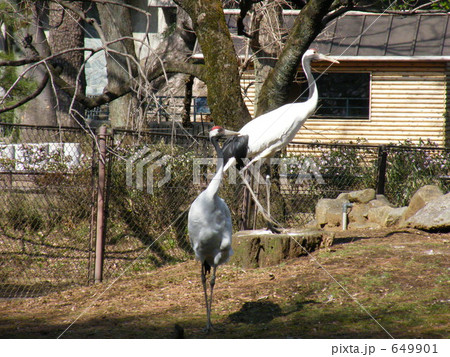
(237, 147)
(214, 141)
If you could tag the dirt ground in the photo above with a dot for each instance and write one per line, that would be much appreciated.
(369, 284)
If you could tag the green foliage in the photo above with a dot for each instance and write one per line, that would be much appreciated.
(342, 168)
(22, 216)
(411, 166)
(16, 14)
(6, 13)
(58, 193)
(20, 89)
(441, 5)
(156, 216)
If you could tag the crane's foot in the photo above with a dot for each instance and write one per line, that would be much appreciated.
(208, 328)
(178, 331)
(271, 227)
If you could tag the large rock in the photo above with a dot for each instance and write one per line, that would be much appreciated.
(361, 196)
(379, 214)
(382, 201)
(435, 216)
(359, 213)
(394, 217)
(422, 196)
(329, 211)
(253, 249)
(386, 216)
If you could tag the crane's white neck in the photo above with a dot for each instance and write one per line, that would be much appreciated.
(214, 185)
(313, 96)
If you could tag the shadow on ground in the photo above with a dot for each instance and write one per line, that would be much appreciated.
(258, 319)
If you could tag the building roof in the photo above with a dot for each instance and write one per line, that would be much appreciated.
(376, 35)
(357, 35)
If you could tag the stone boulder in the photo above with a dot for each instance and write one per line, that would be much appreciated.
(369, 210)
(394, 217)
(386, 216)
(361, 196)
(382, 201)
(329, 211)
(379, 214)
(435, 216)
(359, 214)
(423, 196)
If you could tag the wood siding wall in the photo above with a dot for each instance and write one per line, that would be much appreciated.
(408, 101)
(248, 91)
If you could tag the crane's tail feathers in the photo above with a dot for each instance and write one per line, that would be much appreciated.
(235, 147)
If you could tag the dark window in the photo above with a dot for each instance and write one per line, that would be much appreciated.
(341, 95)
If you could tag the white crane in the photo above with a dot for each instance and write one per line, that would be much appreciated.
(209, 225)
(272, 131)
(263, 136)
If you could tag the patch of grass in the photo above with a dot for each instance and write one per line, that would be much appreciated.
(402, 289)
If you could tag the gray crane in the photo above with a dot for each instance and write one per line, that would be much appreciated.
(209, 225)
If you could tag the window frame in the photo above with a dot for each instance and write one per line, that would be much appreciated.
(347, 117)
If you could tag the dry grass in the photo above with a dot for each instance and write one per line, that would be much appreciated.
(401, 278)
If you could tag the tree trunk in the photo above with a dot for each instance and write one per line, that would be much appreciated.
(41, 110)
(186, 116)
(66, 32)
(266, 40)
(121, 61)
(222, 74)
(307, 26)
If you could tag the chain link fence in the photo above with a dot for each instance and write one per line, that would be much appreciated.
(308, 172)
(410, 167)
(46, 192)
(150, 189)
(49, 194)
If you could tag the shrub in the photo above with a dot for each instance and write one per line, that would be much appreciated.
(154, 216)
(411, 166)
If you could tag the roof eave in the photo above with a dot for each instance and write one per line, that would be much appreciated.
(394, 58)
(371, 58)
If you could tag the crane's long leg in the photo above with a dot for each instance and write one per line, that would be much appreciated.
(258, 204)
(212, 282)
(208, 312)
(268, 193)
(270, 222)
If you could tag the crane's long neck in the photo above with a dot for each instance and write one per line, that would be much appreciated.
(214, 185)
(313, 96)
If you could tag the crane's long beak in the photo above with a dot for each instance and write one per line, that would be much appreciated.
(327, 58)
(227, 132)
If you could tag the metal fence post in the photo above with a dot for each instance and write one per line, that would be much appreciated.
(99, 246)
(381, 174)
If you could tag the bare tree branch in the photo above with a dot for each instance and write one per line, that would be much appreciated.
(26, 99)
(17, 63)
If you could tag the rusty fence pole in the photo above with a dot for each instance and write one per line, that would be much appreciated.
(100, 244)
(381, 170)
(92, 226)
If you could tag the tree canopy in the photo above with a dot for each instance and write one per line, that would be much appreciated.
(42, 45)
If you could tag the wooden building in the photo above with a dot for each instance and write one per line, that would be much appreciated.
(391, 84)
